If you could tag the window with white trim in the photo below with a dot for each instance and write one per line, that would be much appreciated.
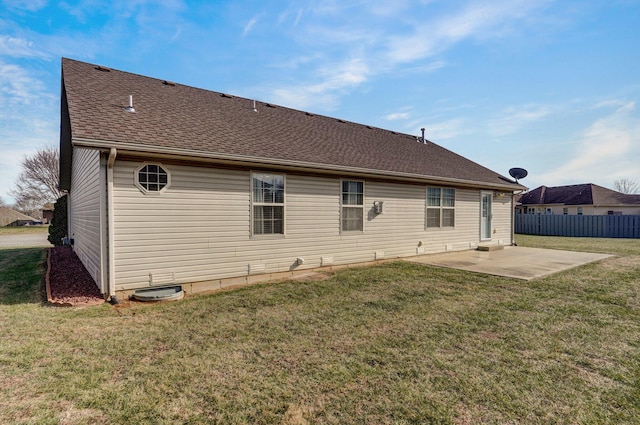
(267, 204)
(352, 206)
(152, 178)
(441, 205)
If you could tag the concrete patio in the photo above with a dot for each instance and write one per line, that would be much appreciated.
(515, 262)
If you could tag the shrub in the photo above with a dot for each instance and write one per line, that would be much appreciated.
(58, 227)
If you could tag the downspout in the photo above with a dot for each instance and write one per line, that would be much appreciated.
(111, 281)
(513, 219)
(513, 216)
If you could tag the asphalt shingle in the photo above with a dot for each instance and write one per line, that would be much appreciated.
(208, 123)
(578, 194)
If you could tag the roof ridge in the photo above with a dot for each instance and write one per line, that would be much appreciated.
(238, 97)
(201, 123)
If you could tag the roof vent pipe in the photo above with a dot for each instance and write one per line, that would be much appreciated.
(254, 106)
(424, 141)
(130, 108)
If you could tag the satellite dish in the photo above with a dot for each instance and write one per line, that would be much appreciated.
(518, 173)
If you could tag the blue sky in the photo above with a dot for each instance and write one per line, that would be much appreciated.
(550, 86)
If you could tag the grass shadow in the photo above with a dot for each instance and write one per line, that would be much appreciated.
(21, 275)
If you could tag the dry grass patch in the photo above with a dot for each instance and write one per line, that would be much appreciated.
(394, 344)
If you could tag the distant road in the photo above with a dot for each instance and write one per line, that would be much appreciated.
(24, 240)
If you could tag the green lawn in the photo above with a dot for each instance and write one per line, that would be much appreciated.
(393, 344)
(43, 228)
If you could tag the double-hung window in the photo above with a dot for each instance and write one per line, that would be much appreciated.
(267, 204)
(352, 206)
(441, 211)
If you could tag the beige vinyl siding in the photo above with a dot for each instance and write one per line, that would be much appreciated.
(199, 228)
(626, 210)
(193, 229)
(84, 211)
(501, 225)
(466, 232)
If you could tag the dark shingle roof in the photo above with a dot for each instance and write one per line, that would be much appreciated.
(201, 123)
(9, 216)
(579, 194)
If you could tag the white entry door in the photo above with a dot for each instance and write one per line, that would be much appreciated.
(485, 216)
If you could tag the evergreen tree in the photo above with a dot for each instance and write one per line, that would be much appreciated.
(58, 227)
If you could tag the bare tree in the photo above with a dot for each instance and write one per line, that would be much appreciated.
(625, 185)
(37, 184)
(2, 203)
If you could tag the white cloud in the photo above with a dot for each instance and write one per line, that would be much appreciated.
(298, 17)
(361, 31)
(348, 73)
(444, 130)
(397, 116)
(386, 8)
(14, 148)
(249, 25)
(332, 79)
(28, 120)
(30, 5)
(297, 62)
(9, 171)
(303, 98)
(19, 88)
(614, 103)
(430, 67)
(609, 147)
(294, 10)
(478, 20)
(19, 48)
(514, 118)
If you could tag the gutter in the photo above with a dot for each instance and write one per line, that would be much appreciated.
(111, 280)
(178, 153)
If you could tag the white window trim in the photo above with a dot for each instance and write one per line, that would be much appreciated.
(143, 189)
(252, 204)
(441, 208)
(353, 232)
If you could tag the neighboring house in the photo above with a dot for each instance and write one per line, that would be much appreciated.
(579, 199)
(47, 213)
(188, 186)
(12, 218)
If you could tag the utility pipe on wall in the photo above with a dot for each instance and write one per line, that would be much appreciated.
(513, 216)
(110, 238)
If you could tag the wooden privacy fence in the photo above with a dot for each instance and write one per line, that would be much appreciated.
(589, 226)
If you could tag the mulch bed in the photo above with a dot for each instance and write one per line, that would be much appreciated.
(68, 282)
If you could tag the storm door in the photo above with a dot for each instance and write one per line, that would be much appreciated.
(485, 216)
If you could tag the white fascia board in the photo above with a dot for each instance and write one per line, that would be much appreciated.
(245, 160)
